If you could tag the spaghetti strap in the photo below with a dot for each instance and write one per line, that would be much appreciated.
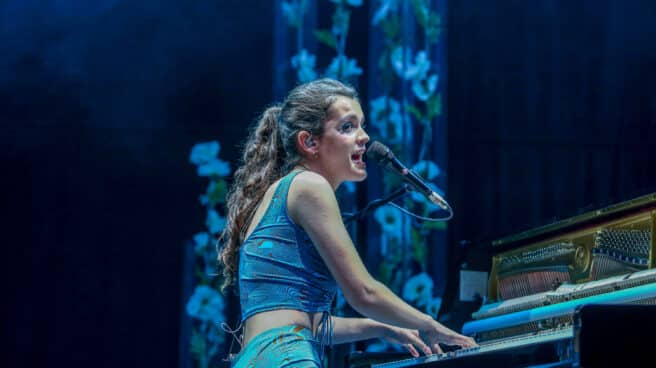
(324, 335)
(235, 337)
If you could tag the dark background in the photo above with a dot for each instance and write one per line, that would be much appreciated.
(551, 112)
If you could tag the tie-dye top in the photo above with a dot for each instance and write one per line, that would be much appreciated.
(279, 267)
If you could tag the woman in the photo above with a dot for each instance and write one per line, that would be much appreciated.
(286, 246)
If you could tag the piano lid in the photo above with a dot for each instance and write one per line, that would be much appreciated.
(639, 204)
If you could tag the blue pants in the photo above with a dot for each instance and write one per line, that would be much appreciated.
(287, 346)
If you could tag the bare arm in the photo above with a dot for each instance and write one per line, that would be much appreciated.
(347, 330)
(313, 206)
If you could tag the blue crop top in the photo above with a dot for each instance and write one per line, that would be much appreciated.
(279, 267)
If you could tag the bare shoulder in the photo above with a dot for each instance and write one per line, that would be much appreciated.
(311, 182)
(310, 194)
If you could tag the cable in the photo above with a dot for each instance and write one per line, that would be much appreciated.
(422, 218)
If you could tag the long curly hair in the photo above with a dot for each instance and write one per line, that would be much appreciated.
(270, 152)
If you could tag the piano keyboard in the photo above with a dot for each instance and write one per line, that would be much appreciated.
(624, 296)
(565, 333)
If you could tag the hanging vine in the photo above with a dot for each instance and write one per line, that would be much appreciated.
(397, 116)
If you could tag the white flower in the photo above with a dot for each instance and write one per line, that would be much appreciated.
(386, 108)
(405, 68)
(206, 304)
(418, 289)
(427, 169)
(214, 222)
(390, 220)
(341, 20)
(304, 63)
(425, 88)
(433, 306)
(203, 153)
(214, 167)
(343, 68)
(385, 115)
(394, 229)
(385, 7)
(201, 241)
(294, 11)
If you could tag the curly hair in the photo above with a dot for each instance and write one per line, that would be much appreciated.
(270, 153)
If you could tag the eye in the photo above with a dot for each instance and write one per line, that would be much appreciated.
(346, 127)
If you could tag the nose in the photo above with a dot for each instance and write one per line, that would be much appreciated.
(363, 137)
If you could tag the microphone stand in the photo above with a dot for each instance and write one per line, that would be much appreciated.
(359, 215)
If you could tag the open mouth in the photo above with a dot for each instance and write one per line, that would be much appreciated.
(358, 159)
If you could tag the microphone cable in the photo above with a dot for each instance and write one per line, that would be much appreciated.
(423, 218)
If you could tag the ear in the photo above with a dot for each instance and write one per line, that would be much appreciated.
(307, 144)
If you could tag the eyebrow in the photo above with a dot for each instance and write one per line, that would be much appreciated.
(352, 115)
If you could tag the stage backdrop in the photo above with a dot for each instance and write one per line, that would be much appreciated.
(100, 104)
(550, 107)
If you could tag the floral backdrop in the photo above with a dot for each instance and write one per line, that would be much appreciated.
(406, 105)
(206, 305)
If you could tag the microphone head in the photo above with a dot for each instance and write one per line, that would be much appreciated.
(379, 152)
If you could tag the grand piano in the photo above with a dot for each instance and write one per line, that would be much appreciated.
(576, 293)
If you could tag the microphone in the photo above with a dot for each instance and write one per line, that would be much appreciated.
(386, 158)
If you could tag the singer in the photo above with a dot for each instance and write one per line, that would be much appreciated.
(286, 249)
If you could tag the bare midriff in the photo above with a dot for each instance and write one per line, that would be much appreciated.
(264, 321)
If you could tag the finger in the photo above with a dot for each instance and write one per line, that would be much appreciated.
(422, 345)
(412, 350)
(418, 342)
(467, 342)
(437, 349)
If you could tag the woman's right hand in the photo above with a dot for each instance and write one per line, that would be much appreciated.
(438, 333)
(407, 338)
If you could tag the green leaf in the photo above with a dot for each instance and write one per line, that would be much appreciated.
(417, 7)
(419, 254)
(391, 27)
(434, 106)
(326, 37)
(384, 272)
(392, 181)
(197, 345)
(415, 237)
(217, 194)
(387, 73)
(434, 225)
(429, 20)
(433, 27)
(414, 111)
(201, 275)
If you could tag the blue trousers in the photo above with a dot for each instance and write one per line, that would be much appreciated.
(287, 346)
